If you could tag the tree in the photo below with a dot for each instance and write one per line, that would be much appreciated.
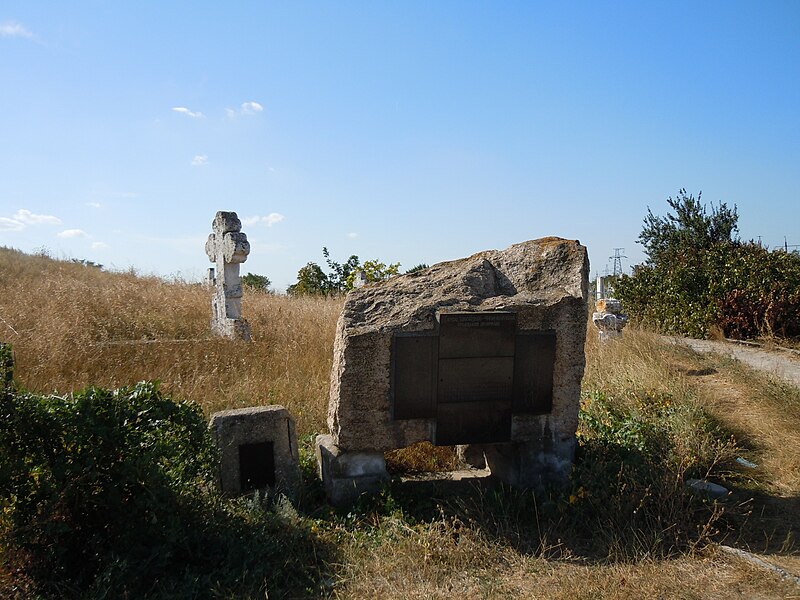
(698, 276)
(256, 282)
(416, 268)
(311, 281)
(375, 270)
(340, 272)
(690, 229)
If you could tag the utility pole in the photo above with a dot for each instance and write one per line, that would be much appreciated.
(618, 256)
(787, 245)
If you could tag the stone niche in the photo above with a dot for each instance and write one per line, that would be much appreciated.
(258, 448)
(485, 352)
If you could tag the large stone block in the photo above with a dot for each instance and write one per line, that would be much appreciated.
(348, 475)
(258, 448)
(483, 350)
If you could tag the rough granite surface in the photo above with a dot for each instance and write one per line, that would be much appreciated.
(544, 281)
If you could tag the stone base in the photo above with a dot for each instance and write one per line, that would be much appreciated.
(524, 465)
(610, 334)
(348, 475)
(471, 455)
(234, 329)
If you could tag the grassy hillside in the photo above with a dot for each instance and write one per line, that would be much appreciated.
(652, 415)
(72, 326)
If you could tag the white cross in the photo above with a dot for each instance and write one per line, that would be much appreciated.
(228, 247)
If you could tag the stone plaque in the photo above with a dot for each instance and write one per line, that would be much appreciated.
(472, 375)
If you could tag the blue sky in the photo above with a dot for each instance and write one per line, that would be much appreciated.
(409, 132)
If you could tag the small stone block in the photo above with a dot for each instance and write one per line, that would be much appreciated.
(258, 448)
(348, 475)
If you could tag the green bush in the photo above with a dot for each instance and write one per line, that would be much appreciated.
(742, 288)
(99, 474)
(698, 276)
(111, 494)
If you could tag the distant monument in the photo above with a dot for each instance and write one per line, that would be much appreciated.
(360, 279)
(227, 246)
(609, 319)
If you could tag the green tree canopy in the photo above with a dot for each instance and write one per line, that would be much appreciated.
(690, 228)
(311, 280)
(375, 270)
(256, 282)
(699, 276)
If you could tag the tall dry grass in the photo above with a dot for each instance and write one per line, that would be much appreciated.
(73, 326)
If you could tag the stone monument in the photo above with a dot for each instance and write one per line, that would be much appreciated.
(360, 278)
(258, 449)
(486, 351)
(228, 247)
(608, 318)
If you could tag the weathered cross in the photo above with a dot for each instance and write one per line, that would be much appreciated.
(228, 247)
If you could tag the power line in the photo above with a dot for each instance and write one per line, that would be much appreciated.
(618, 256)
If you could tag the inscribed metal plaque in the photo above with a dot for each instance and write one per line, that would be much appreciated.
(475, 379)
(413, 378)
(256, 466)
(534, 359)
(472, 376)
(476, 334)
(484, 422)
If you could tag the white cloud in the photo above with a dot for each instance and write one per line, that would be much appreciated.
(14, 29)
(185, 111)
(23, 217)
(352, 235)
(94, 204)
(251, 108)
(7, 224)
(200, 160)
(99, 245)
(28, 218)
(273, 218)
(270, 219)
(246, 108)
(73, 233)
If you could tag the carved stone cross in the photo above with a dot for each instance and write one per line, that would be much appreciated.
(228, 247)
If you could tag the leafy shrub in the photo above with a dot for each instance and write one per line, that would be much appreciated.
(110, 494)
(256, 283)
(628, 485)
(99, 474)
(698, 277)
(6, 365)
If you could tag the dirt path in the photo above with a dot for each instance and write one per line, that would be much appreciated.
(764, 419)
(783, 366)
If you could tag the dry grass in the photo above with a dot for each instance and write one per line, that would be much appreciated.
(445, 559)
(74, 326)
